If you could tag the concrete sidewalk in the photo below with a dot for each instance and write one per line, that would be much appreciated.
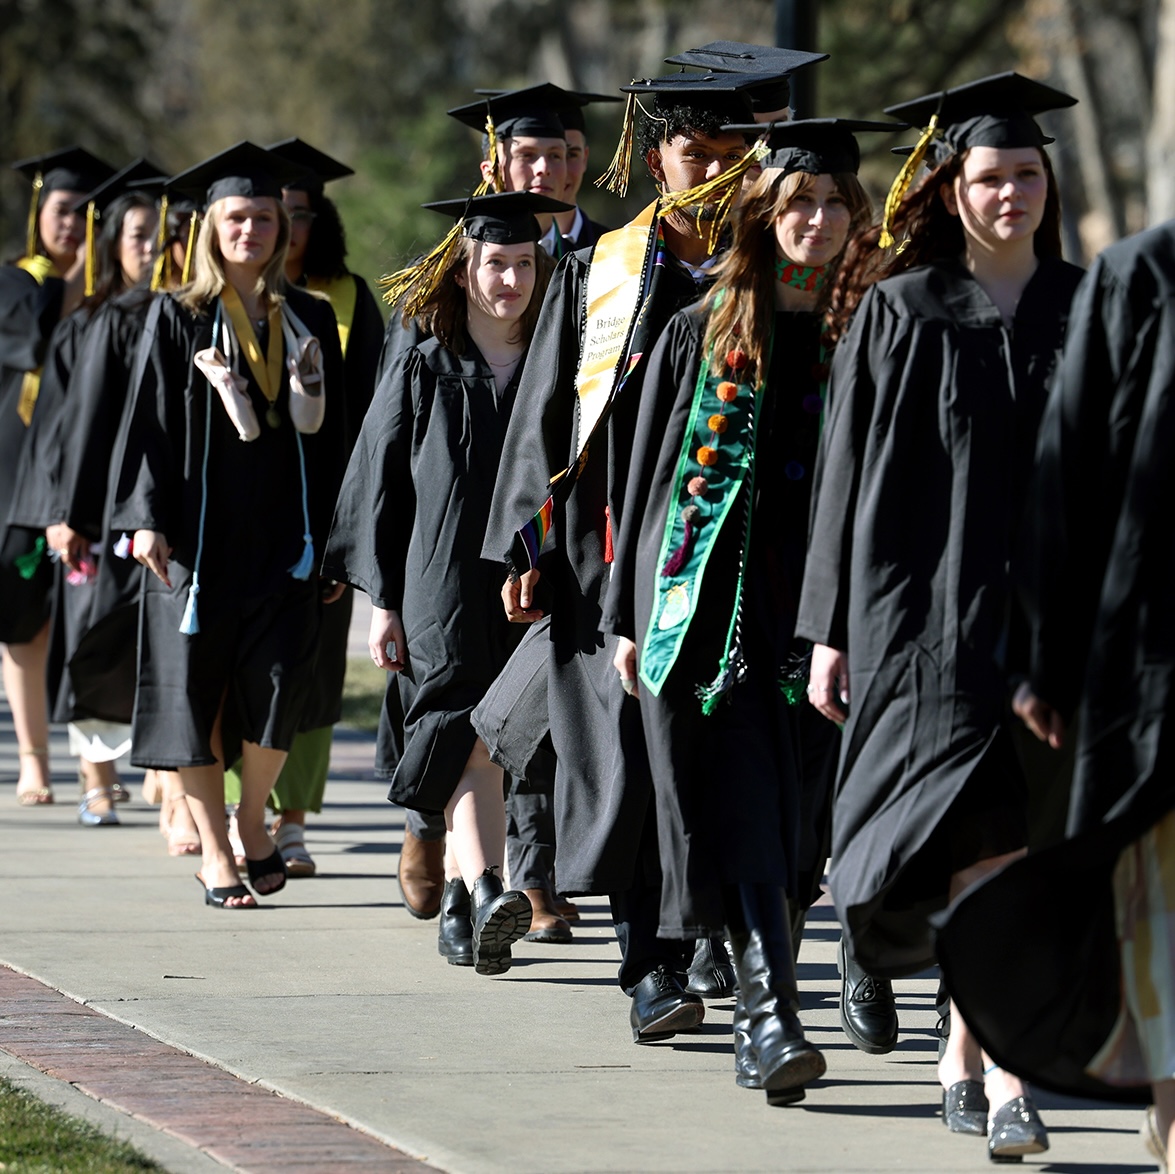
(332, 995)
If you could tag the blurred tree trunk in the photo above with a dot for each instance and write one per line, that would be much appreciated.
(1160, 141)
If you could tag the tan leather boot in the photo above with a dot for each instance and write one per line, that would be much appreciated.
(422, 875)
(545, 924)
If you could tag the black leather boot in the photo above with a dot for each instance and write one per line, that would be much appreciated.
(710, 974)
(500, 916)
(746, 1065)
(799, 918)
(868, 1013)
(455, 929)
(767, 986)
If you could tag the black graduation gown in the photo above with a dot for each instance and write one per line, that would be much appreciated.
(29, 311)
(924, 466)
(602, 782)
(730, 787)
(407, 530)
(1032, 955)
(258, 625)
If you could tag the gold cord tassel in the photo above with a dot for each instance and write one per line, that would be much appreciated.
(725, 187)
(34, 208)
(901, 184)
(186, 275)
(91, 215)
(496, 172)
(615, 179)
(160, 238)
(416, 284)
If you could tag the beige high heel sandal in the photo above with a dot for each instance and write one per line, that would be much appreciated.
(34, 796)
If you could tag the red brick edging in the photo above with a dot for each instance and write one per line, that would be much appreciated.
(237, 1123)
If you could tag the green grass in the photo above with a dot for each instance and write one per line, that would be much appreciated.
(36, 1138)
(363, 694)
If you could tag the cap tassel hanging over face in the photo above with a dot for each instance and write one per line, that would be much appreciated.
(901, 184)
(91, 216)
(161, 256)
(615, 179)
(720, 193)
(34, 208)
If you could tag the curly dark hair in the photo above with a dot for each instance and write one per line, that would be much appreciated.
(661, 122)
(326, 250)
(930, 233)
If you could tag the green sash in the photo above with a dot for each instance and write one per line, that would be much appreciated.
(716, 459)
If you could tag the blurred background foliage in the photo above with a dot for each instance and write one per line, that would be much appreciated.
(370, 80)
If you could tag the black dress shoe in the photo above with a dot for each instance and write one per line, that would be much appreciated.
(1016, 1130)
(500, 917)
(661, 1008)
(867, 1011)
(455, 929)
(710, 974)
(964, 1107)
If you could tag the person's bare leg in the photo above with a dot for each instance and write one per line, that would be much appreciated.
(963, 1059)
(1164, 1095)
(98, 776)
(452, 870)
(476, 818)
(175, 818)
(24, 683)
(260, 766)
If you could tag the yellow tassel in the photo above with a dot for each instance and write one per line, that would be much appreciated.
(157, 269)
(901, 184)
(492, 135)
(414, 285)
(725, 187)
(186, 276)
(34, 208)
(615, 179)
(91, 215)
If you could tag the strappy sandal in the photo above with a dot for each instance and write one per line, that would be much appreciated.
(97, 819)
(270, 866)
(218, 897)
(34, 796)
(120, 793)
(291, 844)
(180, 841)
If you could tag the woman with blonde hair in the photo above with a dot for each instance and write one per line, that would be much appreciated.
(232, 455)
(706, 582)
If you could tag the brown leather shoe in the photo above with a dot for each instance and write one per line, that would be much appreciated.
(422, 875)
(545, 923)
(565, 908)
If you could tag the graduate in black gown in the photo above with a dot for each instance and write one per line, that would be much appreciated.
(706, 584)
(1062, 963)
(233, 450)
(636, 279)
(316, 259)
(36, 292)
(936, 393)
(408, 531)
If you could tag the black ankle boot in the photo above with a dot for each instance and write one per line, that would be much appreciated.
(746, 1065)
(455, 929)
(710, 974)
(500, 917)
(767, 987)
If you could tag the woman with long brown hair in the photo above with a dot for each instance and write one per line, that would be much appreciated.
(936, 392)
(232, 455)
(408, 531)
(706, 582)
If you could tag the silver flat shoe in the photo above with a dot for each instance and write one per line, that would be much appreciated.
(95, 819)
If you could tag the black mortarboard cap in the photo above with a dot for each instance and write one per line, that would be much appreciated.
(72, 169)
(314, 167)
(500, 218)
(141, 175)
(816, 145)
(994, 111)
(775, 63)
(570, 115)
(531, 112)
(242, 170)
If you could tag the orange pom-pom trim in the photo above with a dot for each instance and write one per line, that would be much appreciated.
(717, 423)
(727, 392)
(707, 455)
(736, 360)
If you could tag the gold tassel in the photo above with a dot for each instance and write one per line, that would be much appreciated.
(492, 135)
(615, 179)
(416, 284)
(34, 208)
(901, 184)
(157, 269)
(725, 186)
(186, 275)
(91, 215)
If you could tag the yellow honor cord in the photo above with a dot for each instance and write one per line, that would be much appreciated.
(269, 374)
(901, 183)
(186, 275)
(34, 208)
(615, 179)
(91, 215)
